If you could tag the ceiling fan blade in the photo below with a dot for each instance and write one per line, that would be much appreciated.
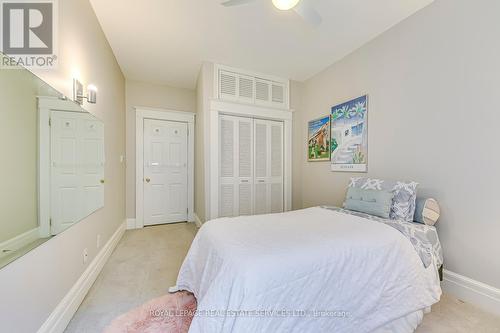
(308, 13)
(230, 3)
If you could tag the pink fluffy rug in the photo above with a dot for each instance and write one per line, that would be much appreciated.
(171, 313)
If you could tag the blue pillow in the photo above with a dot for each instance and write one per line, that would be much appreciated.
(373, 202)
(405, 194)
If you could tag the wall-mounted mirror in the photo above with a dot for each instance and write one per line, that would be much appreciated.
(52, 169)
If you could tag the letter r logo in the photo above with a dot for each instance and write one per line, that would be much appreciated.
(27, 28)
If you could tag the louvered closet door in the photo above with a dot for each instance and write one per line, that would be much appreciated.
(245, 166)
(261, 183)
(276, 147)
(268, 182)
(236, 166)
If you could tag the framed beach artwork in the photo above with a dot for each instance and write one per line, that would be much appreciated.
(349, 136)
(318, 139)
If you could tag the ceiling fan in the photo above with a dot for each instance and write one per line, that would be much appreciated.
(301, 7)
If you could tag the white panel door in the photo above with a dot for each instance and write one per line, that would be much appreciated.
(268, 181)
(77, 167)
(165, 172)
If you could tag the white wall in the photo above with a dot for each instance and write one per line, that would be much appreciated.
(433, 84)
(155, 96)
(32, 286)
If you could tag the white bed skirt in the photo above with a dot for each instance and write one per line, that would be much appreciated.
(406, 324)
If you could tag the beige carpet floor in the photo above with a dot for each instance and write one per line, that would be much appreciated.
(145, 263)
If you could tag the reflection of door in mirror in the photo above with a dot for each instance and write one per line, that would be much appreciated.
(52, 170)
(77, 168)
(71, 164)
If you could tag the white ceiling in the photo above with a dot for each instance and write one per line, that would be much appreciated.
(165, 41)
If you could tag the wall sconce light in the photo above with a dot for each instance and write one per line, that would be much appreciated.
(78, 95)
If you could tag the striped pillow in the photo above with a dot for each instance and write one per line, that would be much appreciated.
(426, 211)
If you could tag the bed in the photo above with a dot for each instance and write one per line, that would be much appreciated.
(321, 269)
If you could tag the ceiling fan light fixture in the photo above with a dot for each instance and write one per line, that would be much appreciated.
(285, 4)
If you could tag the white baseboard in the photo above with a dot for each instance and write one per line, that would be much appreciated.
(64, 311)
(131, 224)
(197, 220)
(19, 241)
(471, 291)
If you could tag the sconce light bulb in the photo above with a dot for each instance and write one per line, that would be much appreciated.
(91, 94)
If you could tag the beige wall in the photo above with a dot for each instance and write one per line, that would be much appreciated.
(199, 158)
(32, 286)
(433, 85)
(155, 96)
(18, 144)
(204, 92)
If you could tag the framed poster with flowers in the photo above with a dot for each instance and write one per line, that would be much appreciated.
(318, 139)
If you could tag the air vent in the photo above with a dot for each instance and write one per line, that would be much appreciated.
(262, 91)
(227, 84)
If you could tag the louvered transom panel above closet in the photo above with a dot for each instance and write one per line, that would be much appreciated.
(245, 87)
(237, 86)
(227, 83)
(250, 166)
(262, 91)
(278, 93)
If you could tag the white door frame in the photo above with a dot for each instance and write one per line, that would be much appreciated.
(217, 108)
(168, 115)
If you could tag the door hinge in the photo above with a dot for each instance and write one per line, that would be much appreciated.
(187, 210)
(50, 222)
(50, 121)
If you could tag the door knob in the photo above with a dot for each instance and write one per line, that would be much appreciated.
(102, 181)
(147, 180)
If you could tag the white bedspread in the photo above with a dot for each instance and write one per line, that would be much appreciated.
(313, 265)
